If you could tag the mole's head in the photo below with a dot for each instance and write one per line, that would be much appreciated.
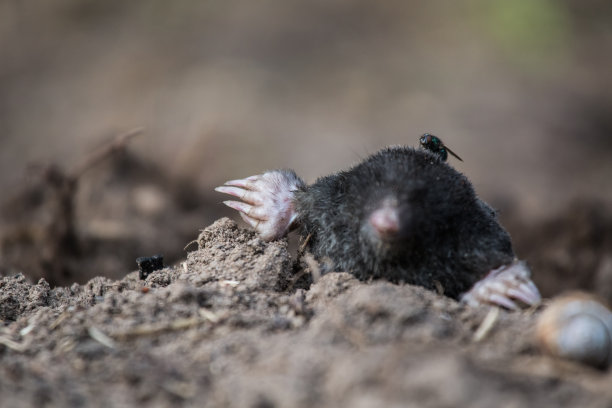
(417, 204)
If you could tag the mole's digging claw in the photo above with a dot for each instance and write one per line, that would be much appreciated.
(268, 201)
(257, 212)
(504, 286)
(245, 195)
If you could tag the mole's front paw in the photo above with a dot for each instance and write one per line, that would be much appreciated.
(503, 287)
(267, 201)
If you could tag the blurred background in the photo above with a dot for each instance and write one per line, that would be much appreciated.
(521, 90)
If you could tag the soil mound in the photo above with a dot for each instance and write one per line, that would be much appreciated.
(232, 326)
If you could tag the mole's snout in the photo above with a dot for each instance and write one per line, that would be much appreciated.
(385, 220)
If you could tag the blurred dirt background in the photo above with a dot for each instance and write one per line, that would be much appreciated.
(521, 90)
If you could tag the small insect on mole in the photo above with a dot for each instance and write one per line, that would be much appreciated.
(435, 145)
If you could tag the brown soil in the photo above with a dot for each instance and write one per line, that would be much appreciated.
(231, 326)
(570, 250)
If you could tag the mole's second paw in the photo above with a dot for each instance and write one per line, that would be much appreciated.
(504, 286)
(267, 201)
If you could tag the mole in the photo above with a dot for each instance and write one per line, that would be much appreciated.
(404, 215)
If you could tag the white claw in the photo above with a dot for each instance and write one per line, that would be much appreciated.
(577, 327)
(268, 201)
(256, 212)
(245, 195)
(251, 221)
(247, 183)
(504, 286)
(501, 300)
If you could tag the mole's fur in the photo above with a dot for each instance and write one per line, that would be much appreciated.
(446, 235)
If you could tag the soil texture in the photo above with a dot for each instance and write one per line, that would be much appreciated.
(240, 323)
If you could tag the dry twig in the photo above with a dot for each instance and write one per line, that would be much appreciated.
(153, 329)
(486, 325)
(103, 152)
(13, 345)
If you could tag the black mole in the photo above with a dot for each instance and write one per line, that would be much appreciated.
(403, 215)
